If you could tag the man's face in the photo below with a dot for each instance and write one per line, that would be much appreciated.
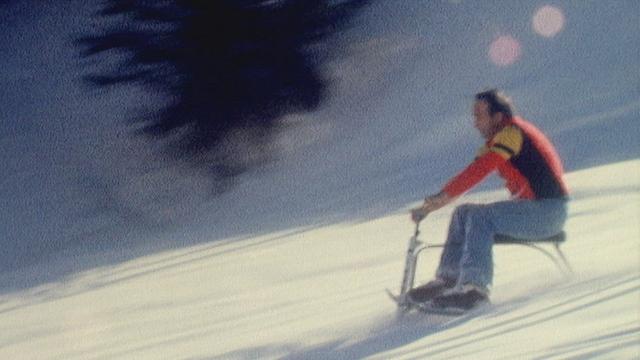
(486, 124)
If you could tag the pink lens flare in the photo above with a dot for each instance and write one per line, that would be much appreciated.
(504, 50)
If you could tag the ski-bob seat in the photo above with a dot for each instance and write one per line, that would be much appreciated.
(558, 238)
(555, 240)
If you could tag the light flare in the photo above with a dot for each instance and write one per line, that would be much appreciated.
(548, 21)
(504, 50)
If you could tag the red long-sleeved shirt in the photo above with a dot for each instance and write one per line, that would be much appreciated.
(523, 156)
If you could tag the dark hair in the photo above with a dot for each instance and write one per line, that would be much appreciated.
(497, 101)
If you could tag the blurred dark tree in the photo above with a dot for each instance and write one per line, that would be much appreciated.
(224, 65)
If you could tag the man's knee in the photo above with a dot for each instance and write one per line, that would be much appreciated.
(465, 210)
(475, 216)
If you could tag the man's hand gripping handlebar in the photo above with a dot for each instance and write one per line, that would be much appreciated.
(431, 203)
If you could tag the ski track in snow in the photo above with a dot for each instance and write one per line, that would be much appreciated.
(319, 294)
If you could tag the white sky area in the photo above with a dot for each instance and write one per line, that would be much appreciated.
(292, 262)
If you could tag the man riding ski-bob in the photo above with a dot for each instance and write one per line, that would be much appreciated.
(532, 170)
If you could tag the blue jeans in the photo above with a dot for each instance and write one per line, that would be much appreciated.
(467, 256)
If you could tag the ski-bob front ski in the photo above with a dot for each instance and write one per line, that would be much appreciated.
(429, 308)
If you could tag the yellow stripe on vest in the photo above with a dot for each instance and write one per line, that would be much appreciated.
(507, 142)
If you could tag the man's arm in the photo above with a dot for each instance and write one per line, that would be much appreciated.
(507, 143)
(473, 174)
(465, 180)
(462, 182)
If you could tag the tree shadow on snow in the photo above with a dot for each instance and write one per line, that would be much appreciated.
(391, 333)
(173, 261)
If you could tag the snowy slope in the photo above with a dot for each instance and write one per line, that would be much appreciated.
(319, 294)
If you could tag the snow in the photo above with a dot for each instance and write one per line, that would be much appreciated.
(318, 293)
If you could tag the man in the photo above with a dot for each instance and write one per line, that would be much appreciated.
(532, 169)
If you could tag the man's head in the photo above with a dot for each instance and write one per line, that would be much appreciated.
(490, 109)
